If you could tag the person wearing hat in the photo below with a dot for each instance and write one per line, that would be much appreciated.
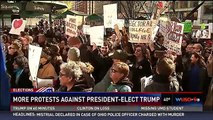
(117, 56)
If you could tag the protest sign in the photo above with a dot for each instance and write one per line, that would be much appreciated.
(201, 31)
(140, 31)
(211, 27)
(44, 82)
(86, 29)
(110, 15)
(97, 35)
(172, 32)
(79, 20)
(18, 25)
(71, 26)
(154, 32)
(34, 54)
(120, 23)
(187, 27)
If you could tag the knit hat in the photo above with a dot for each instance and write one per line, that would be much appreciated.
(120, 55)
(73, 41)
(74, 54)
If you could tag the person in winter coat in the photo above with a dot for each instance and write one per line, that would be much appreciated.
(164, 79)
(87, 82)
(118, 74)
(195, 76)
(20, 77)
(103, 61)
(117, 56)
(141, 67)
(69, 74)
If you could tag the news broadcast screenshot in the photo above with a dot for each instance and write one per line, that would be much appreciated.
(106, 59)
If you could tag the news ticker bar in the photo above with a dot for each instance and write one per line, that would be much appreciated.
(107, 108)
(105, 99)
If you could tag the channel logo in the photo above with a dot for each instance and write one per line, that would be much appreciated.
(187, 99)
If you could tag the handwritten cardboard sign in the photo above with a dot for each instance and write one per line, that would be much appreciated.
(140, 31)
(18, 25)
(33, 60)
(187, 27)
(201, 31)
(173, 34)
(86, 29)
(110, 15)
(71, 26)
(97, 35)
(120, 23)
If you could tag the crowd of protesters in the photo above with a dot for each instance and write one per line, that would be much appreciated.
(118, 66)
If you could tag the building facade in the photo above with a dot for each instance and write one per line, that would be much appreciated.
(81, 6)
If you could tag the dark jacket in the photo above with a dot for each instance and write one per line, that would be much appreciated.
(9, 62)
(201, 80)
(103, 64)
(85, 54)
(139, 70)
(23, 81)
(73, 89)
(103, 84)
(159, 83)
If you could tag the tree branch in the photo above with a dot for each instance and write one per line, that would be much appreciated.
(192, 12)
(124, 9)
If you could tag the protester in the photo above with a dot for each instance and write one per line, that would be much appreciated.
(86, 80)
(118, 56)
(46, 69)
(103, 60)
(13, 51)
(163, 80)
(120, 82)
(196, 75)
(69, 74)
(20, 77)
(141, 67)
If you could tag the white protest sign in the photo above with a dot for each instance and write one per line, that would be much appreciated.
(154, 32)
(97, 35)
(202, 31)
(18, 25)
(34, 59)
(211, 27)
(86, 29)
(173, 34)
(71, 26)
(110, 15)
(140, 31)
(120, 23)
(44, 82)
(79, 20)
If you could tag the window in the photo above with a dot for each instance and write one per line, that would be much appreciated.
(194, 4)
(183, 4)
(208, 9)
(176, 5)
